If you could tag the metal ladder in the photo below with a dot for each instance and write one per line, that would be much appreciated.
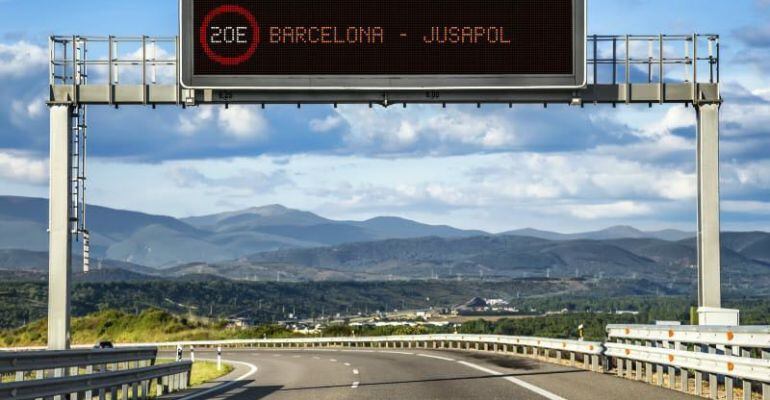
(79, 152)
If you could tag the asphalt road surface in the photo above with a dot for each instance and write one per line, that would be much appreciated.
(415, 374)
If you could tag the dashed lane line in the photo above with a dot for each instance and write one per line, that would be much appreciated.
(252, 370)
(436, 357)
(548, 395)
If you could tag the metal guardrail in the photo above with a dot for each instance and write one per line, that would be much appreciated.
(664, 355)
(577, 353)
(42, 360)
(668, 355)
(86, 372)
(109, 382)
(743, 336)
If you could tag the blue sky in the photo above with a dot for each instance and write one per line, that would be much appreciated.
(563, 169)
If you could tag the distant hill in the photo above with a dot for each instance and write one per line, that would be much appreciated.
(162, 242)
(615, 232)
(494, 256)
(277, 243)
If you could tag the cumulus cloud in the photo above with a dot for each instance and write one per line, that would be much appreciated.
(194, 120)
(622, 209)
(22, 59)
(23, 169)
(237, 122)
(242, 122)
(186, 176)
(330, 123)
(24, 111)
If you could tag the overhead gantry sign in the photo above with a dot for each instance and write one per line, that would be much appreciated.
(383, 45)
(390, 52)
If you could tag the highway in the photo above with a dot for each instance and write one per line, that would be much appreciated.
(413, 374)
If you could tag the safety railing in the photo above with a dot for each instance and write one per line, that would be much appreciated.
(701, 360)
(654, 58)
(89, 372)
(141, 69)
(145, 70)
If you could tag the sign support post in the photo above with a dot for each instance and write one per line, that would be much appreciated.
(59, 232)
(709, 252)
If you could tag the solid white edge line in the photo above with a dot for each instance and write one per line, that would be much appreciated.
(252, 370)
(516, 381)
(436, 357)
(396, 352)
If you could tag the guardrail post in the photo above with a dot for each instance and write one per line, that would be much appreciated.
(713, 382)
(746, 384)
(685, 374)
(766, 386)
(671, 382)
(648, 370)
(699, 376)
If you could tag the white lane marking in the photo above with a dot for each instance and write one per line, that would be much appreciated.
(397, 352)
(316, 358)
(525, 385)
(332, 360)
(355, 372)
(347, 364)
(354, 385)
(357, 351)
(276, 355)
(252, 370)
(436, 357)
(296, 356)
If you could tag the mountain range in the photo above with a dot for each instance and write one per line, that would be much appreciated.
(162, 241)
(275, 243)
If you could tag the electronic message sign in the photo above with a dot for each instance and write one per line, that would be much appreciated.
(382, 44)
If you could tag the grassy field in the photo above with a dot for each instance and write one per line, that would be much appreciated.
(151, 325)
(203, 371)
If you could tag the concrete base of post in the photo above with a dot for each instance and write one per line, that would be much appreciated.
(712, 316)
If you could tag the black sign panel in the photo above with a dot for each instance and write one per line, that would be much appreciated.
(383, 44)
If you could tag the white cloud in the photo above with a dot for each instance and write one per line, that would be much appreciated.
(242, 122)
(622, 209)
(23, 169)
(396, 130)
(192, 121)
(22, 59)
(24, 111)
(327, 124)
(236, 121)
(746, 207)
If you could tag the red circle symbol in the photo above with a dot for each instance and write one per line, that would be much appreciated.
(224, 9)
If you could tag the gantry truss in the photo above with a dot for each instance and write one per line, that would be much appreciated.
(651, 69)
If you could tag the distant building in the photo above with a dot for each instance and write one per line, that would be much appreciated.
(238, 323)
(474, 305)
(497, 303)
